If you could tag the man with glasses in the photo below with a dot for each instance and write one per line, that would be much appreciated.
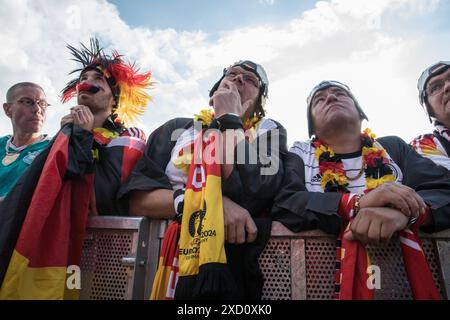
(160, 185)
(26, 106)
(434, 95)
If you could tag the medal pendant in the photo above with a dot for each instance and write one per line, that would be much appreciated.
(10, 158)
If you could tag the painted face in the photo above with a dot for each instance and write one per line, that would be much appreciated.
(333, 105)
(99, 99)
(28, 109)
(438, 94)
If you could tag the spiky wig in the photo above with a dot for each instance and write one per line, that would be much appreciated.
(127, 84)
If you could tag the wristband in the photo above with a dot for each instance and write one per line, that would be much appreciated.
(178, 203)
(229, 121)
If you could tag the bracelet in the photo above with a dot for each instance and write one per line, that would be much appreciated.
(411, 221)
(357, 205)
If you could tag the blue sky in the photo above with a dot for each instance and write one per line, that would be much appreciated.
(212, 16)
(377, 47)
(217, 16)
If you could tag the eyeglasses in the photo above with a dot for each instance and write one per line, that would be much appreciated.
(30, 103)
(245, 76)
(432, 71)
(436, 87)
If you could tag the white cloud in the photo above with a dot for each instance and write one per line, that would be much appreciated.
(339, 39)
(269, 2)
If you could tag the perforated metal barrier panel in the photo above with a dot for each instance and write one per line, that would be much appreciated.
(320, 259)
(118, 258)
(275, 264)
(103, 273)
(318, 252)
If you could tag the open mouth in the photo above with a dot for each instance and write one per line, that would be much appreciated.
(87, 88)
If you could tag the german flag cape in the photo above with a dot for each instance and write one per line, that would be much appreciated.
(203, 270)
(43, 220)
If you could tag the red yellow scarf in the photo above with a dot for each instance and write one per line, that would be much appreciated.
(166, 277)
(199, 261)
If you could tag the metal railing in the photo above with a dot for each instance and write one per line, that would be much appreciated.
(120, 257)
(301, 265)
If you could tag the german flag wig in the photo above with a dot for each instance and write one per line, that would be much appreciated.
(127, 84)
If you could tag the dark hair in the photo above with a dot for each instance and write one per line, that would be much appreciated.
(10, 92)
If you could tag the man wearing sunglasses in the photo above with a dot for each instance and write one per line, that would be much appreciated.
(26, 106)
(434, 95)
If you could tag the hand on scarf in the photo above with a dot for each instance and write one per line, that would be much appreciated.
(238, 223)
(396, 195)
(376, 225)
(82, 116)
(66, 120)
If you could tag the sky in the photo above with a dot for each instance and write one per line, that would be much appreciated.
(378, 48)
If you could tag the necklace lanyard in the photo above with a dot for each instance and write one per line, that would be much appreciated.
(361, 171)
(11, 156)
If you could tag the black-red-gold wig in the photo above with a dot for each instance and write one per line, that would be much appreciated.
(127, 84)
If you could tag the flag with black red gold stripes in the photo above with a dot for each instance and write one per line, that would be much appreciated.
(42, 223)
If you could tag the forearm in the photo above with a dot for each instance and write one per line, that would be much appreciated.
(157, 204)
(305, 210)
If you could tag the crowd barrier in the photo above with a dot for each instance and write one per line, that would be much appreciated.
(120, 257)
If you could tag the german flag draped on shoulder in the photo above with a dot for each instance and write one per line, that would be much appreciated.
(43, 220)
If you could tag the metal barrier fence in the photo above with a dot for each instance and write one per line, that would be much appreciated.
(300, 266)
(120, 257)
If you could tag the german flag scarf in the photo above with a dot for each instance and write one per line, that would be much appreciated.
(203, 273)
(200, 264)
(42, 224)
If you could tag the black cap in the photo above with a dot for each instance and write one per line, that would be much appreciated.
(259, 71)
(322, 86)
(255, 68)
(430, 72)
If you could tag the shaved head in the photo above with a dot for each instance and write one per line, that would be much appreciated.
(10, 94)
